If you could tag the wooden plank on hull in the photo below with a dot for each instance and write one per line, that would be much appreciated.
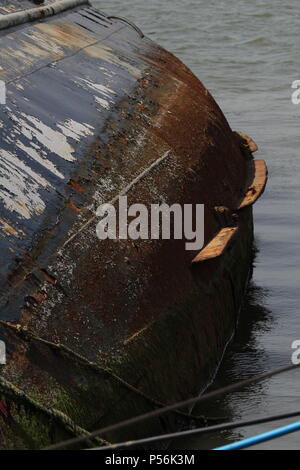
(257, 187)
(217, 245)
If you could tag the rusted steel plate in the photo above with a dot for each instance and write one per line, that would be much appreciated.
(90, 107)
(257, 187)
(218, 245)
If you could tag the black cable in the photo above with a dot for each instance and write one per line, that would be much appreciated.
(125, 20)
(185, 403)
(196, 432)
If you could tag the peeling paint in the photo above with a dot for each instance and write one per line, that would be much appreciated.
(75, 130)
(35, 155)
(52, 140)
(19, 186)
(103, 103)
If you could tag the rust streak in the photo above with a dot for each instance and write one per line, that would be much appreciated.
(76, 186)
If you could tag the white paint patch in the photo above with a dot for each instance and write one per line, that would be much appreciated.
(19, 86)
(105, 104)
(104, 52)
(107, 73)
(106, 93)
(19, 186)
(99, 87)
(53, 141)
(45, 42)
(75, 130)
(34, 154)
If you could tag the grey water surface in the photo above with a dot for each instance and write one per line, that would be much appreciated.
(247, 55)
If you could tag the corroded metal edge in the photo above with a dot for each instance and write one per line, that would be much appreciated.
(217, 245)
(32, 14)
(257, 187)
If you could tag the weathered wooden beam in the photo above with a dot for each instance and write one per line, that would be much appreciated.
(257, 187)
(217, 245)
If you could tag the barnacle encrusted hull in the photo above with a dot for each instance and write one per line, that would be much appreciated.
(97, 331)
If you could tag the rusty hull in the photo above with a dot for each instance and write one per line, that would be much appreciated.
(90, 106)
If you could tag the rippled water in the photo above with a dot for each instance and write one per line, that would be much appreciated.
(247, 54)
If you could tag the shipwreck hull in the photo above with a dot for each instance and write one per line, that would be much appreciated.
(97, 331)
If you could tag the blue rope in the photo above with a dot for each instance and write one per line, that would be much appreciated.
(266, 436)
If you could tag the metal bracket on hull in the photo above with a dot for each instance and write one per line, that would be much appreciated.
(257, 187)
(125, 20)
(220, 242)
(217, 245)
